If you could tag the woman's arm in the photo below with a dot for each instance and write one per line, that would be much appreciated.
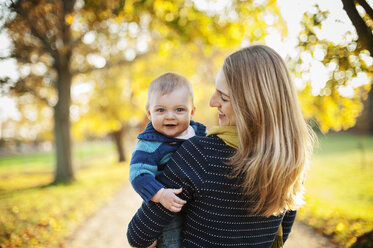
(148, 224)
(180, 172)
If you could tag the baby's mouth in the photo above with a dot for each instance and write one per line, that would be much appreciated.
(170, 125)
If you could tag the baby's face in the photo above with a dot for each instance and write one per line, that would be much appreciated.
(170, 114)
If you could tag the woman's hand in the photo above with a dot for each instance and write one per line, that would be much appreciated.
(169, 200)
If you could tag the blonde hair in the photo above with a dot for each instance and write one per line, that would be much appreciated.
(166, 83)
(275, 142)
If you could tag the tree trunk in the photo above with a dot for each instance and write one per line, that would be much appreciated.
(64, 169)
(364, 123)
(118, 139)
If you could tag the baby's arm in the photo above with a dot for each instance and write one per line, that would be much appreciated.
(146, 186)
(143, 169)
(169, 200)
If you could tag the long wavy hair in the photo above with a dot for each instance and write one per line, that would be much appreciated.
(275, 142)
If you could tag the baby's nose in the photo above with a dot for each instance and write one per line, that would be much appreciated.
(170, 115)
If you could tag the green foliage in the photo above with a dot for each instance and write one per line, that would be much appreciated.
(339, 188)
(35, 213)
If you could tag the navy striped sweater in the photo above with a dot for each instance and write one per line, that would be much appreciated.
(216, 213)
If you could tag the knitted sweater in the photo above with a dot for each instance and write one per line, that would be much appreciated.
(217, 212)
(152, 152)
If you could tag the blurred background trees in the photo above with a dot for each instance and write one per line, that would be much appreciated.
(89, 63)
(61, 43)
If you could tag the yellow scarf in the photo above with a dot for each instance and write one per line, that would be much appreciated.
(278, 243)
(230, 137)
(227, 133)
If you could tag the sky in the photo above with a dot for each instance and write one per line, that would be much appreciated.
(291, 10)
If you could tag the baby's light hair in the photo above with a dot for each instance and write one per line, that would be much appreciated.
(166, 83)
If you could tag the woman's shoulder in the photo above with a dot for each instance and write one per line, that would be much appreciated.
(206, 144)
(211, 140)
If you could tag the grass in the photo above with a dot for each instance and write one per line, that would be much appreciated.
(340, 188)
(35, 213)
(44, 161)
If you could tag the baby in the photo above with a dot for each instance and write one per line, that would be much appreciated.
(169, 107)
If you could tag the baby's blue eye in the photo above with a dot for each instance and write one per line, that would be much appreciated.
(179, 109)
(160, 110)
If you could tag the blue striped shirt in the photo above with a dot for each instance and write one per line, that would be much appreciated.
(152, 152)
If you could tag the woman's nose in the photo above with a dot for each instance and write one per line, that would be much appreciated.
(213, 101)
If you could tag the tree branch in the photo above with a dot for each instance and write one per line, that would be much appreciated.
(6, 57)
(18, 9)
(4, 81)
(21, 87)
(366, 7)
(363, 31)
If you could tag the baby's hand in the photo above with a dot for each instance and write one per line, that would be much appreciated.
(169, 200)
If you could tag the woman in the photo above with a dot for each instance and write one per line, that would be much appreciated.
(244, 180)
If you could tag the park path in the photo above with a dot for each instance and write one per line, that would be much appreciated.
(108, 226)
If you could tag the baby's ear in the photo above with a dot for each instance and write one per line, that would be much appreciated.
(149, 115)
(192, 111)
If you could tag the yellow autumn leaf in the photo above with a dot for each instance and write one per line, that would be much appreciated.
(69, 19)
(340, 227)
